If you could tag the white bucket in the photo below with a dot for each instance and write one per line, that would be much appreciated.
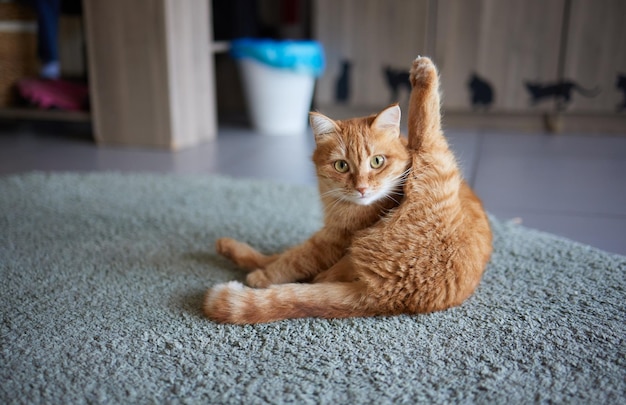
(278, 99)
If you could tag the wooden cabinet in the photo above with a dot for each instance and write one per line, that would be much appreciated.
(150, 72)
(504, 43)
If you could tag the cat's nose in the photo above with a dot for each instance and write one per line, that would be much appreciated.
(361, 190)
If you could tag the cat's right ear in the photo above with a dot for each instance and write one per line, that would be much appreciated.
(321, 125)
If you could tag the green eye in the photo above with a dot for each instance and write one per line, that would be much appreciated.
(377, 161)
(341, 166)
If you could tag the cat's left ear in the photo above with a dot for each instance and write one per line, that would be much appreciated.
(388, 120)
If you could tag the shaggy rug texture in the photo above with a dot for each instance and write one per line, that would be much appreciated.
(103, 277)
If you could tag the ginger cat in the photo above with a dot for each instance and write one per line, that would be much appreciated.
(403, 233)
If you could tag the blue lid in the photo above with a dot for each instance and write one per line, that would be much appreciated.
(299, 56)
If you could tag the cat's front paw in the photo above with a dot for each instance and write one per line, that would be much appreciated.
(423, 71)
(258, 279)
(226, 247)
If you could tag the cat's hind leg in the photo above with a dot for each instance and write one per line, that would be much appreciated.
(424, 105)
(243, 255)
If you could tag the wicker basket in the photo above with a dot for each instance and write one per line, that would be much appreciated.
(18, 48)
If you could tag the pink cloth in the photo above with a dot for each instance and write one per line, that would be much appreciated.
(61, 94)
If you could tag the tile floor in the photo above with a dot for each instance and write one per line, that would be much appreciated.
(573, 185)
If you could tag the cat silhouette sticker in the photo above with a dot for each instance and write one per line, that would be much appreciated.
(342, 86)
(481, 92)
(620, 84)
(396, 79)
(561, 92)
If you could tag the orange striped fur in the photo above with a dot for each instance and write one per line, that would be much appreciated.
(403, 232)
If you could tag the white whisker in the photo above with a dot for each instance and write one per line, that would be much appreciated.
(389, 197)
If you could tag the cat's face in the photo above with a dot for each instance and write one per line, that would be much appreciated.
(361, 160)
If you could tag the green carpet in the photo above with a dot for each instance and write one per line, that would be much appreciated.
(103, 277)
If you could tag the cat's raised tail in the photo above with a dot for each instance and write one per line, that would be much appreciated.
(235, 303)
